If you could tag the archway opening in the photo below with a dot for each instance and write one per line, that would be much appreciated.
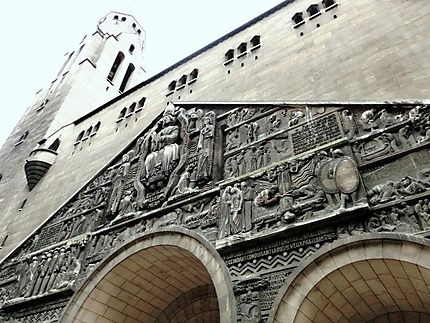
(376, 281)
(376, 290)
(164, 276)
(158, 284)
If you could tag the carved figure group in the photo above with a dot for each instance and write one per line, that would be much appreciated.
(394, 190)
(53, 270)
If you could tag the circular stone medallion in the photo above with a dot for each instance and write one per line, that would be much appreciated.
(346, 175)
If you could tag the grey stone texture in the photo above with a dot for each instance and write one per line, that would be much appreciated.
(219, 200)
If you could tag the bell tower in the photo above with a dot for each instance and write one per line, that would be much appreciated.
(107, 62)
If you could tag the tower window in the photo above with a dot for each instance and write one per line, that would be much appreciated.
(123, 19)
(54, 146)
(118, 60)
(182, 81)
(241, 50)
(171, 88)
(255, 42)
(139, 31)
(122, 114)
(88, 133)
(131, 109)
(329, 4)
(79, 138)
(115, 17)
(298, 19)
(131, 49)
(128, 73)
(22, 138)
(140, 104)
(42, 105)
(96, 128)
(313, 11)
(133, 25)
(193, 75)
(229, 56)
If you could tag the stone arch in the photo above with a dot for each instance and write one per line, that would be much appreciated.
(164, 276)
(369, 278)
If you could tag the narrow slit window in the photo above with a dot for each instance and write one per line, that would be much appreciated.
(116, 64)
(131, 108)
(80, 136)
(88, 132)
(131, 49)
(127, 76)
(140, 104)
(122, 114)
(96, 128)
(55, 145)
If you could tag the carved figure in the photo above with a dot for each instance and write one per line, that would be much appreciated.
(164, 148)
(410, 186)
(273, 124)
(422, 211)
(232, 140)
(233, 118)
(247, 209)
(24, 277)
(119, 178)
(267, 197)
(236, 206)
(205, 147)
(426, 136)
(33, 273)
(263, 157)
(367, 119)
(350, 128)
(194, 115)
(127, 205)
(405, 137)
(68, 275)
(382, 193)
(295, 117)
(241, 164)
(184, 184)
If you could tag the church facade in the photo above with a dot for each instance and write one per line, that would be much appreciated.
(279, 174)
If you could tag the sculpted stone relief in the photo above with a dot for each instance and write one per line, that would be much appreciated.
(232, 174)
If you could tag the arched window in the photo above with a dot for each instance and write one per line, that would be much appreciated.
(130, 70)
(54, 146)
(118, 60)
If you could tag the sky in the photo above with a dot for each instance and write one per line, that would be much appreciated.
(37, 34)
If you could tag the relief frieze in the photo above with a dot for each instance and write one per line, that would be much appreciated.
(238, 176)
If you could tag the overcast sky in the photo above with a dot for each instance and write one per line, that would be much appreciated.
(37, 34)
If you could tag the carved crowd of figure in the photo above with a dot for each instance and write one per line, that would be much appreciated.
(53, 270)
